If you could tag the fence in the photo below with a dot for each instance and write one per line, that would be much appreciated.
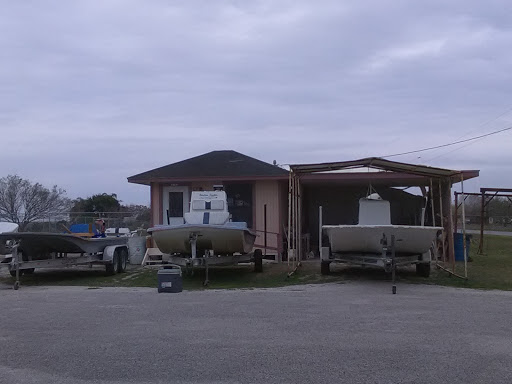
(61, 222)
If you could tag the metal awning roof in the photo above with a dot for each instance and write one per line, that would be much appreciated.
(377, 163)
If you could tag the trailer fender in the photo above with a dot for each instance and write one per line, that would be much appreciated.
(108, 252)
(426, 257)
(325, 254)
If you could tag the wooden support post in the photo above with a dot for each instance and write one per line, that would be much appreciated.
(464, 227)
(442, 217)
(320, 221)
(482, 214)
(265, 228)
(456, 209)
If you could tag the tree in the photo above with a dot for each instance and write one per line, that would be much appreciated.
(140, 215)
(109, 208)
(99, 203)
(22, 202)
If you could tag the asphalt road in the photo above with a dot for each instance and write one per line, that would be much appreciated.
(354, 333)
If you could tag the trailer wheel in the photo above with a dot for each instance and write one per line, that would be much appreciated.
(112, 268)
(123, 256)
(258, 261)
(423, 269)
(325, 267)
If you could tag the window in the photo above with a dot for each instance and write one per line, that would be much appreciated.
(175, 204)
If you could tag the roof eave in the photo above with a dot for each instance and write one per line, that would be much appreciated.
(161, 180)
(376, 163)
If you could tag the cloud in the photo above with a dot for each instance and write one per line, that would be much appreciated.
(93, 92)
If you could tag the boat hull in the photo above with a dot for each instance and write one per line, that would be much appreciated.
(41, 243)
(221, 239)
(363, 239)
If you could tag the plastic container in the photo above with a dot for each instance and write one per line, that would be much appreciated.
(136, 249)
(458, 242)
(169, 279)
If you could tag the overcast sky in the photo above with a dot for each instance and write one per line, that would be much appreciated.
(92, 92)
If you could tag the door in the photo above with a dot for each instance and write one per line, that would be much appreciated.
(175, 204)
(240, 202)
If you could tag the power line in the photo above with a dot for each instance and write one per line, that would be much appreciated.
(450, 144)
(447, 153)
(487, 122)
(470, 132)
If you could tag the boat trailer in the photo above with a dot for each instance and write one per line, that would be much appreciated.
(209, 258)
(388, 260)
(31, 250)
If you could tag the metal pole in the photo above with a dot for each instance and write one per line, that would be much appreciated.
(432, 204)
(393, 264)
(207, 278)
(442, 218)
(320, 222)
(482, 213)
(16, 258)
(289, 215)
(295, 227)
(464, 227)
(299, 219)
(292, 238)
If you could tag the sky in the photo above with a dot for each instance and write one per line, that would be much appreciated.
(92, 92)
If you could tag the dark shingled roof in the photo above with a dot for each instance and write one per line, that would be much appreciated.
(222, 164)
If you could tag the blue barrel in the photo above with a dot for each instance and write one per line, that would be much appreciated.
(458, 242)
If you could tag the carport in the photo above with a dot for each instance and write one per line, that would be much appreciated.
(337, 187)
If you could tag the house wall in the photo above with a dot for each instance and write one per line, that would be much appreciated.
(157, 198)
(271, 193)
(156, 203)
(202, 185)
(268, 192)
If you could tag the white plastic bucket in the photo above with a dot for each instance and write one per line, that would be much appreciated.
(136, 249)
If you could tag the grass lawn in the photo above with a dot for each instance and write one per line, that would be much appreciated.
(274, 275)
(493, 270)
(490, 271)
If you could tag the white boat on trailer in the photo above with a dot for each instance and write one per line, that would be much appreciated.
(207, 237)
(377, 242)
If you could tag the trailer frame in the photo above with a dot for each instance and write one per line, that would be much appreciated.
(209, 258)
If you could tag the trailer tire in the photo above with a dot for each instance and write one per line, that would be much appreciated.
(325, 267)
(123, 258)
(112, 268)
(12, 272)
(258, 261)
(423, 269)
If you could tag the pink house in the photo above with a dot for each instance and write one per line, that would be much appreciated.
(255, 190)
